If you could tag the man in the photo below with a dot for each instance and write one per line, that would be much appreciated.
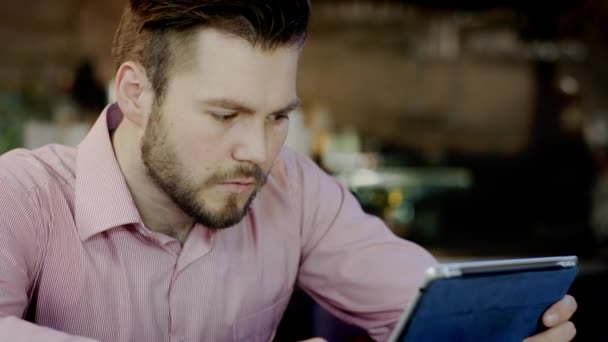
(181, 217)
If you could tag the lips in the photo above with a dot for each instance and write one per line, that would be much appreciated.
(243, 182)
(238, 186)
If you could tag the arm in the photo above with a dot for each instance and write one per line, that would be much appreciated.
(352, 264)
(21, 251)
(358, 270)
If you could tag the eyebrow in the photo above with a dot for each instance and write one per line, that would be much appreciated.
(243, 108)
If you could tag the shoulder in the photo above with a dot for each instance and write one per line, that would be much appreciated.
(303, 185)
(292, 169)
(288, 182)
(38, 169)
(32, 185)
(36, 180)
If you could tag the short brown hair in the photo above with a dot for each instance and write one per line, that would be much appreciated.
(153, 32)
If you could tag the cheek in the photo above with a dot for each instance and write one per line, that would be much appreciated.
(195, 147)
(281, 135)
(201, 156)
(276, 139)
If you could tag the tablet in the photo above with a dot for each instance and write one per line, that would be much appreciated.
(499, 300)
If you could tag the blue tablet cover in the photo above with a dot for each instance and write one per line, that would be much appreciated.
(503, 307)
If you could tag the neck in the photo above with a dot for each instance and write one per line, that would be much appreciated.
(158, 212)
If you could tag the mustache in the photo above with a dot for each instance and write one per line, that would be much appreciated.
(241, 171)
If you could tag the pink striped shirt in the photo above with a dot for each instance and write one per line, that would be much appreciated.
(77, 264)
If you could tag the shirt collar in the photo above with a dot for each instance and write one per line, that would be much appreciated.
(103, 200)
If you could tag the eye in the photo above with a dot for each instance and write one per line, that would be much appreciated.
(278, 117)
(224, 117)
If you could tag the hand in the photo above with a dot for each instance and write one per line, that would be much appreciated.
(557, 319)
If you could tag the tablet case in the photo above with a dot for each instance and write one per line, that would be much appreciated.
(507, 307)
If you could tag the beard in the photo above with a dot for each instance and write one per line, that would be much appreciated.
(168, 173)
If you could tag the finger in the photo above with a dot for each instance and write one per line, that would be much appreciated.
(562, 333)
(560, 312)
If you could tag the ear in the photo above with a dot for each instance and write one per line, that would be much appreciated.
(133, 92)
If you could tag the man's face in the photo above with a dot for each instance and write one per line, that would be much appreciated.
(211, 143)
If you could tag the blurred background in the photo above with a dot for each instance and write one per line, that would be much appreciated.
(478, 129)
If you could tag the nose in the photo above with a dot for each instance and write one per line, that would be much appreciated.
(251, 146)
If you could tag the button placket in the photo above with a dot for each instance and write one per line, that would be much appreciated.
(175, 331)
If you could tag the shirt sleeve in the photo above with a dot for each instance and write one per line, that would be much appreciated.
(352, 264)
(21, 250)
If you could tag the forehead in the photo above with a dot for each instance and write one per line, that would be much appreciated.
(223, 65)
